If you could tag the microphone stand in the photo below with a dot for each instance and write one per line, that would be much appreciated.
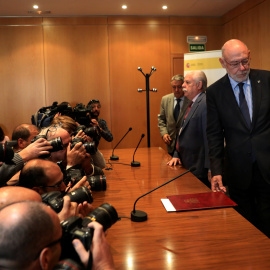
(136, 163)
(147, 76)
(140, 216)
(113, 157)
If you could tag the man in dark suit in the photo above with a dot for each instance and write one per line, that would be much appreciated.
(191, 147)
(172, 110)
(238, 131)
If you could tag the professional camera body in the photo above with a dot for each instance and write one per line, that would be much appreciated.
(92, 132)
(77, 228)
(56, 143)
(90, 147)
(6, 151)
(55, 198)
(97, 182)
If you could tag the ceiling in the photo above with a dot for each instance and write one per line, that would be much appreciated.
(61, 8)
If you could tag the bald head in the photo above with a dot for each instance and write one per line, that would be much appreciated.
(26, 229)
(53, 132)
(23, 134)
(233, 47)
(41, 175)
(12, 194)
(236, 59)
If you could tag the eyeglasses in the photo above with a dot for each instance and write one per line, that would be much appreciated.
(236, 64)
(49, 245)
(53, 128)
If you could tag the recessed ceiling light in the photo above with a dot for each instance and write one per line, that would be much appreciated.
(164, 7)
(35, 6)
(124, 7)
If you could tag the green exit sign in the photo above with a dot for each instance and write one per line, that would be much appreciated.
(196, 47)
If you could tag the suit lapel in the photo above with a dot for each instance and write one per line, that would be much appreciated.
(256, 86)
(193, 109)
(170, 106)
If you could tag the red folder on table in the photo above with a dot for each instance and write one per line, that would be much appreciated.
(198, 201)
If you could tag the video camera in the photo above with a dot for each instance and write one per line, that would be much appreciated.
(81, 114)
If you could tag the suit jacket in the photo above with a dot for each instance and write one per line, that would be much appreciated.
(166, 122)
(243, 145)
(193, 147)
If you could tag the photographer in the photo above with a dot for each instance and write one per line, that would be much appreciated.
(67, 156)
(72, 127)
(44, 176)
(33, 150)
(12, 194)
(42, 250)
(23, 134)
(95, 106)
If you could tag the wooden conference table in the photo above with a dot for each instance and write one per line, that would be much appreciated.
(203, 239)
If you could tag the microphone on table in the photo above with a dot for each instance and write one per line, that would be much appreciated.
(136, 163)
(113, 157)
(139, 216)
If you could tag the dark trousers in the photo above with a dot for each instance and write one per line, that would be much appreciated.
(254, 203)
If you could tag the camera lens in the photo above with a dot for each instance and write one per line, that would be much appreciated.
(57, 144)
(92, 132)
(80, 195)
(97, 182)
(6, 152)
(105, 214)
(90, 147)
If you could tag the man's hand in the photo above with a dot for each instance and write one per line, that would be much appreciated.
(174, 161)
(82, 135)
(102, 257)
(82, 182)
(35, 149)
(167, 139)
(84, 209)
(76, 155)
(94, 123)
(216, 184)
(69, 209)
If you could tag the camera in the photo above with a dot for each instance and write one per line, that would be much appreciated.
(90, 147)
(92, 132)
(6, 151)
(77, 228)
(81, 114)
(55, 198)
(56, 143)
(97, 182)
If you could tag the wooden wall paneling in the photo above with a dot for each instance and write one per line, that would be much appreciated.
(264, 52)
(249, 32)
(179, 33)
(177, 64)
(130, 47)
(21, 74)
(76, 66)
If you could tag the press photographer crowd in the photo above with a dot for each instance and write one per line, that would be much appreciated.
(49, 172)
